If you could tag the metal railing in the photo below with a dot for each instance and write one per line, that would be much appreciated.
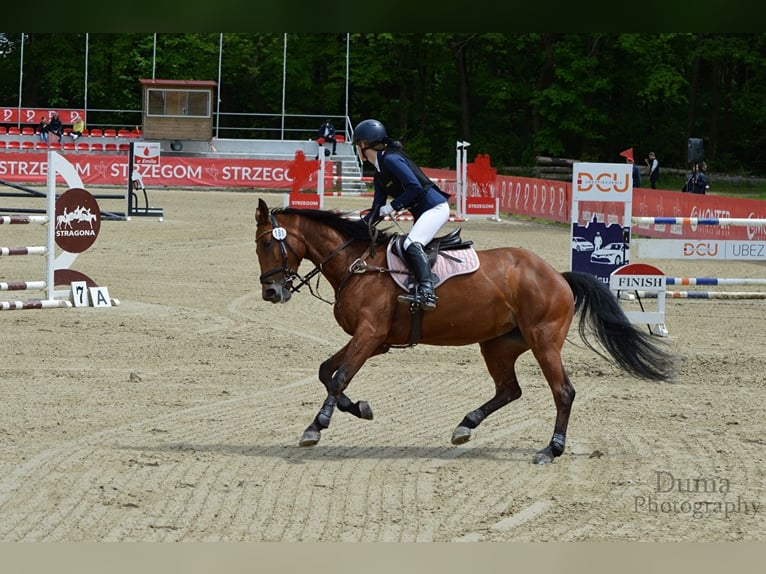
(236, 125)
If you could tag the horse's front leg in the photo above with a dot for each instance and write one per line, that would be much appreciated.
(336, 374)
(360, 409)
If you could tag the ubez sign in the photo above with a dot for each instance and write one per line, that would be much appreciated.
(730, 249)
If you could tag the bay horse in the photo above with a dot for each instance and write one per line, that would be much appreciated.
(514, 302)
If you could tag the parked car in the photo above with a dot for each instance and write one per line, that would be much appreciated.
(582, 244)
(611, 253)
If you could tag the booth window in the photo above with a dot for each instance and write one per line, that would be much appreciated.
(174, 102)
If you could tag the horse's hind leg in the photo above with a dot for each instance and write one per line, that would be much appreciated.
(500, 355)
(549, 359)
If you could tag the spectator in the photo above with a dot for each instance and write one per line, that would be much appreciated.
(42, 129)
(636, 174)
(55, 126)
(701, 183)
(654, 169)
(77, 128)
(697, 180)
(326, 133)
(690, 183)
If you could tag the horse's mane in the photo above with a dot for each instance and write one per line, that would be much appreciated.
(353, 229)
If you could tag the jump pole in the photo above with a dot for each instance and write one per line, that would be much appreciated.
(734, 221)
(706, 294)
(714, 281)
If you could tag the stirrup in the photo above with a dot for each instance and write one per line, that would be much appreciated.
(410, 298)
(428, 301)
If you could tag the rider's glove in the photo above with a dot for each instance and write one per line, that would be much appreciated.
(385, 210)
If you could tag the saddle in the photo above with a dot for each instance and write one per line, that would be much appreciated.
(448, 256)
(449, 242)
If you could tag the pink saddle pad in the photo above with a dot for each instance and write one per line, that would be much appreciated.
(456, 262)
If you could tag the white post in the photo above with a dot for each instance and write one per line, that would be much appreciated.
(320, 183)
(51, 211)
(465, 175)
(461, 175)
(458, 179)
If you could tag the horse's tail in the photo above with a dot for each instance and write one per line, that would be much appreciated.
(637, 352)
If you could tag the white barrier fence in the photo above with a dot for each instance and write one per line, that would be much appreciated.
(48, 250)
(699, 250)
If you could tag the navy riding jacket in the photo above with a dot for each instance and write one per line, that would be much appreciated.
(400, 178)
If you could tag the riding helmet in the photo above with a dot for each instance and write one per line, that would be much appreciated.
(370, 131)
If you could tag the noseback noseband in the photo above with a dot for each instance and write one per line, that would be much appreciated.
(280, 235)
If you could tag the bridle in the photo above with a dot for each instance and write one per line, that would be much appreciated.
(289, 275)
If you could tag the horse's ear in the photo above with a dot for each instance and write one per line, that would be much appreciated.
(262, 212)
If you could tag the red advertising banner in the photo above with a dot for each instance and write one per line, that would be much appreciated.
(538, 198)
(173, 172)
(33, 115)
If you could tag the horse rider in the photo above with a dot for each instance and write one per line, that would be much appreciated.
(397, 176)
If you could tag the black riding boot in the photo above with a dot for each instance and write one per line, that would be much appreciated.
(424, 291)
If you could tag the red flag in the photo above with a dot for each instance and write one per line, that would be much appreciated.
(628, 153)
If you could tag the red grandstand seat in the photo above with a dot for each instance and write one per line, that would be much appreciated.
(340, 138)
(123, 133)
(110, 133)
(14, 131)
(96, 133)
(69, 145)
(135, 133)
(54, 146)
(41, 145)
(28, 131)
(96, 147)
(14, 144)
(2, 144)
(82, 146)
(27, 145)
(3, 130)
(110, 147)
(124, 147)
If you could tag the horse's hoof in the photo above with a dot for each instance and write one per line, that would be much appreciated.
(310, 438)
(365, 410)
(461, 435)
(542, 457)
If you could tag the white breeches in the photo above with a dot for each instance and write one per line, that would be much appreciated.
(428, 225)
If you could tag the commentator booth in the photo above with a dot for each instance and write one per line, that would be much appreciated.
(177, 110)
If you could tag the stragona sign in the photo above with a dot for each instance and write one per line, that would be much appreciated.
(78, 220)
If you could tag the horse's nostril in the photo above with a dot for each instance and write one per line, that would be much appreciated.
(269, 293)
